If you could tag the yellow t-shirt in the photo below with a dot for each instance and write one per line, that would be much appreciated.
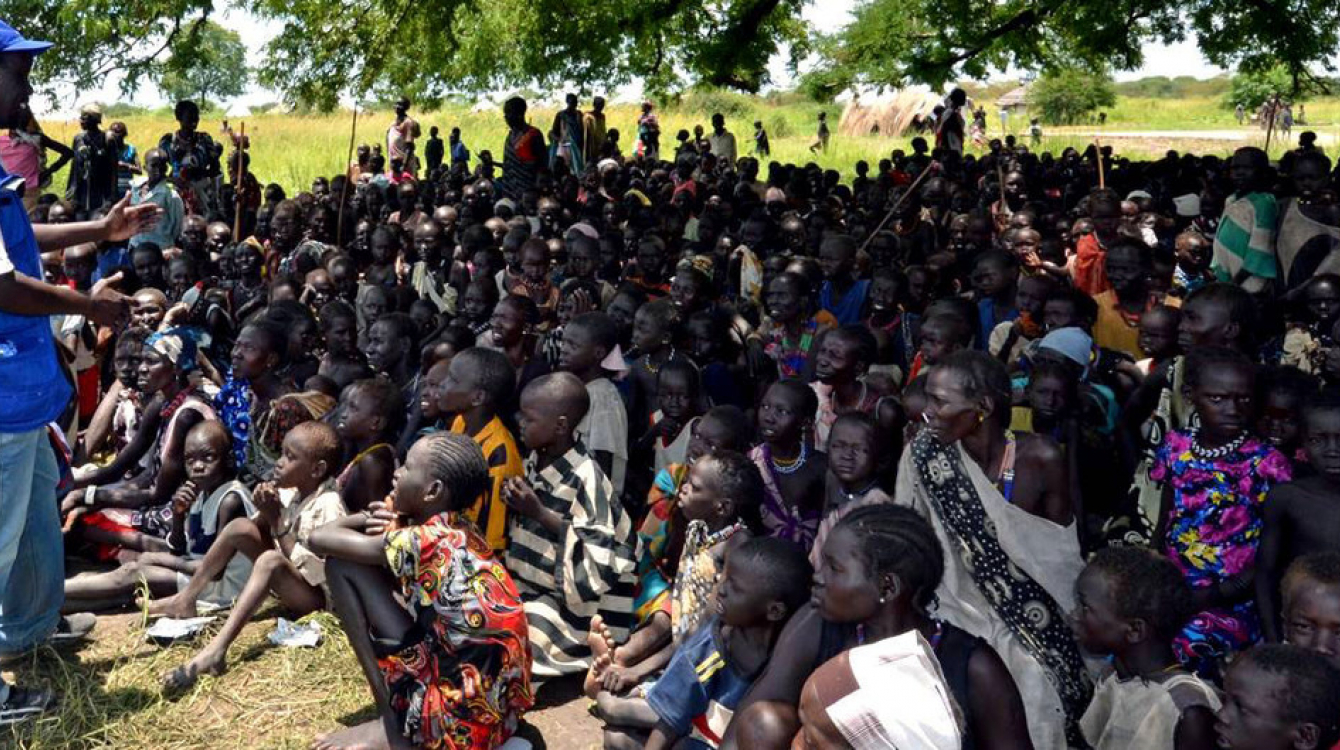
(490, 512)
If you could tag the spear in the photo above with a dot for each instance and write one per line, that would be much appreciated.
(344, 189)
(237, 189)
(1098, 157)
(898, 203)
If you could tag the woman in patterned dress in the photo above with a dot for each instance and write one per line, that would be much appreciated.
(450, 668)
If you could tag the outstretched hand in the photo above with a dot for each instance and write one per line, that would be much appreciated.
(108, 307)
(125, 221)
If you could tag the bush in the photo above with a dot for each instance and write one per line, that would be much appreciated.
(1069, 96)
(710, 101)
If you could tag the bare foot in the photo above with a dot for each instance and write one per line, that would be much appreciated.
(173, 606)
(370, 735)
(185, 676)
(594, 675)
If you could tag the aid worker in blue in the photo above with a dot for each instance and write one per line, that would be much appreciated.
(33, 392)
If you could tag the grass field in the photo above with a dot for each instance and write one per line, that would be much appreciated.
(293, 149)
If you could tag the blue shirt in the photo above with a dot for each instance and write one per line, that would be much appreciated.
(33, 390)
(848, 309)
(697, 695)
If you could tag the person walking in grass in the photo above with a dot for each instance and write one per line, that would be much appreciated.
(821, 137)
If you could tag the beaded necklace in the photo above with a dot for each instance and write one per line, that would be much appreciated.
(654, 369)
(1212, 454)
(792, 466)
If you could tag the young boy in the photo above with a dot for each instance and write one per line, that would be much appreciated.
(572, 551)
(1130, 604)
(1303, 516)
(371, 414)
(209, 500)
(1158, 337)
(478, 382)
(764, 582)
(587, 341)
(1279, 698)
(300, 498)
(679, 398)
(842, 294)
(1311, 593)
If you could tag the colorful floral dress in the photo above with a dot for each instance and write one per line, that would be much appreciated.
(469, 639)
(1214, 530)
(660, 544)
(791, 355)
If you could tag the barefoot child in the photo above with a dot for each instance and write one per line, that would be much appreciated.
(371, 413)
(450, 666)
(1311, 594)
(793, 471)
(720, 501)
(479, 381)
(301, 498)
(1131, 603)
(208, 501)
(763, 583)
(572, 547)
(1279, 697)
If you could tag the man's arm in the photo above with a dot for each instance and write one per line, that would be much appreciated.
(21, 295)
(121, 223)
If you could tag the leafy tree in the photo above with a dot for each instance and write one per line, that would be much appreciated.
(1251, 89)
(209, 62)
(894, 42)
(1068, 95)
(429, 49)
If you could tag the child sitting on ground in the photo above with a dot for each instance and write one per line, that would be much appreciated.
(654, 327)
(1279, 697)
(118, 415)
(208, 501)
(587, 343)
(300, 499)
(370, 416)
(1303, 516)
(432, 615)
(793, 469)
(478, 382)
(719, 500)
(841, 377)
(679, 406)
(1130, 604)
(854, 450)
(764, 582)
(1311, 594)
(572, 550)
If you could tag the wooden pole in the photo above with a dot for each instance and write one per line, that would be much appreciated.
(237, 189)
(1098, 157)
(344, 190)
(898, 204)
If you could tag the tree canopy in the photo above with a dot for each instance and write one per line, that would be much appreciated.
(1067, 96)
(890, 43)
(211, 63)
(432, 48)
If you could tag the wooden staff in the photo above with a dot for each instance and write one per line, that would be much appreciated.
(344, 190)
(1098, 157)
(898, 204)
(238, 203)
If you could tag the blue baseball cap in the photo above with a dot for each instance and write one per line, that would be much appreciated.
(13, 41)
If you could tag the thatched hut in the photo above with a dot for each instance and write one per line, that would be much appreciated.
(889, 114)
(1016, 98)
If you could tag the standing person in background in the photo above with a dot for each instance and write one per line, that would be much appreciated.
(92, 181)
(32, 567)
(1244, 245)
(400, 137)
(523, 153)
(434, 150)
(949, 129)
(23, 152)
(459, 153)
(127, 158)
(195, 161)
(761, 147)
(648, 133)
(566, 138)
(722, 140)
(596, 131)
(821, 137)
(156, 189)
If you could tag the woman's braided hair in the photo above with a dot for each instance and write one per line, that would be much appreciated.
(898, 541)
(459, 464)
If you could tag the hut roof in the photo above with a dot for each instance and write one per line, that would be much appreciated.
(1016, 97)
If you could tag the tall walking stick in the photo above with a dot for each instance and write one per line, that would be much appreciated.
(238, 202)
(344, 190)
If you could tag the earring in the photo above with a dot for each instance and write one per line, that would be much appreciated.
(981, 417)
(882, 599)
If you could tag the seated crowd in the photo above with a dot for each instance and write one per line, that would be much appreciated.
(967, 451)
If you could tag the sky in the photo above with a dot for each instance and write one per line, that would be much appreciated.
(824, 15)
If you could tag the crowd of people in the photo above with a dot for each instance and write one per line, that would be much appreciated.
(982, 450)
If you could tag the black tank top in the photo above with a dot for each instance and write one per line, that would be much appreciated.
(954, 649)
